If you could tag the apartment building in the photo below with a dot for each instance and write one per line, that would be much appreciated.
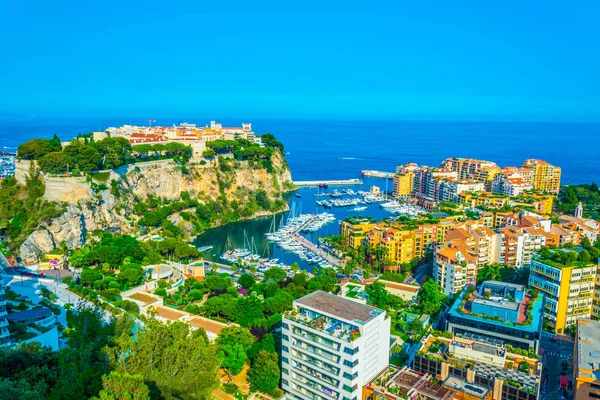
(478, 369)
(500, 313)
(355, 230)
(569, 291)
(332, 347)
(404, 180)
(467, 168)
(403, 241)
(486, 175)
(586, 360)
(546, 177)
(399, 243)
(455, 267)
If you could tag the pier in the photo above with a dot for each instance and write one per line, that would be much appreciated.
(377, 174)
(338, 182)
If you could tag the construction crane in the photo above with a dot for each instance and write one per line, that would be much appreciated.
(150, 121)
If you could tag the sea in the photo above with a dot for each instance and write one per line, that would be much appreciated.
(340, 149)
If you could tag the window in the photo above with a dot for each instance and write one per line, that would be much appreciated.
(285, 360)
(284, 348)
(350, 351)
(350, 363)
(595, 385)
(285, 371)
(595, 396)
(350, 376)
(347, 388)
(285, 337)
(285, 326)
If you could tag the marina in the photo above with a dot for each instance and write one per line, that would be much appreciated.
(242, 234)
(7, 164)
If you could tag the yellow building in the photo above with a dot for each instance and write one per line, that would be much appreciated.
(568, 290)
(403, 184)
(486, 175)
(546, 177)
(355, 231)
(542, 203)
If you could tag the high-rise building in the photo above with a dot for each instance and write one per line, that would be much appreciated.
(332, 347)
(569, 291)
(455, 267)
(546, 177)
(586, 360)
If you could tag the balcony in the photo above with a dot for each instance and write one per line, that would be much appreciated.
(315, 362)
(313, 373)
(315, 350)
(316, 386)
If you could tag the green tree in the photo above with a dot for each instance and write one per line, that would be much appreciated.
(584, 256)
(378, 295)
(123, 387)
(264, 374)
(276, 274)
(430, 297)
(81, 364)
(233, 335)
(246, 281)
(179, 363)
(234, 358)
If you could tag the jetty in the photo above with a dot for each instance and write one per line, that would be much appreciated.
(338, 182)
(377, 174)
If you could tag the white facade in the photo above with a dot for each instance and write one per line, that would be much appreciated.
(332, 347)
(453, 277)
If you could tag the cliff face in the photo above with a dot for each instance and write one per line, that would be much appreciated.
(101, 210)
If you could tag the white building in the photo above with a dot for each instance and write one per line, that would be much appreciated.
(331, 347)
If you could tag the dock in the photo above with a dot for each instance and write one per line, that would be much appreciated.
(377, 174)
(329, 182)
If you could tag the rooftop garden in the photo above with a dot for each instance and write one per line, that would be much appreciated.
(565, 257)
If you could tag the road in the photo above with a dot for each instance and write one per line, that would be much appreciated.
(556, 353)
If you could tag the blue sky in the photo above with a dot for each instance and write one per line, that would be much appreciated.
(536, 60)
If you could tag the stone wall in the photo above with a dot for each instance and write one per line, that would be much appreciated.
(69, 189)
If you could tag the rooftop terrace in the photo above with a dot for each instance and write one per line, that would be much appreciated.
(588, 348)
(338, 307)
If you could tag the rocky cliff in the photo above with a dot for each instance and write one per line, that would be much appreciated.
(106, 209)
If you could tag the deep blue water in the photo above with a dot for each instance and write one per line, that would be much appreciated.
(341, 149)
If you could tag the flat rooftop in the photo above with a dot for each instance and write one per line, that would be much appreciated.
(460, 385)
(588, 348)
(498, 303)
(338, 307)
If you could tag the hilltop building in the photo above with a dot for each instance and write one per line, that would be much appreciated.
(332, 347)
(498, 313)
